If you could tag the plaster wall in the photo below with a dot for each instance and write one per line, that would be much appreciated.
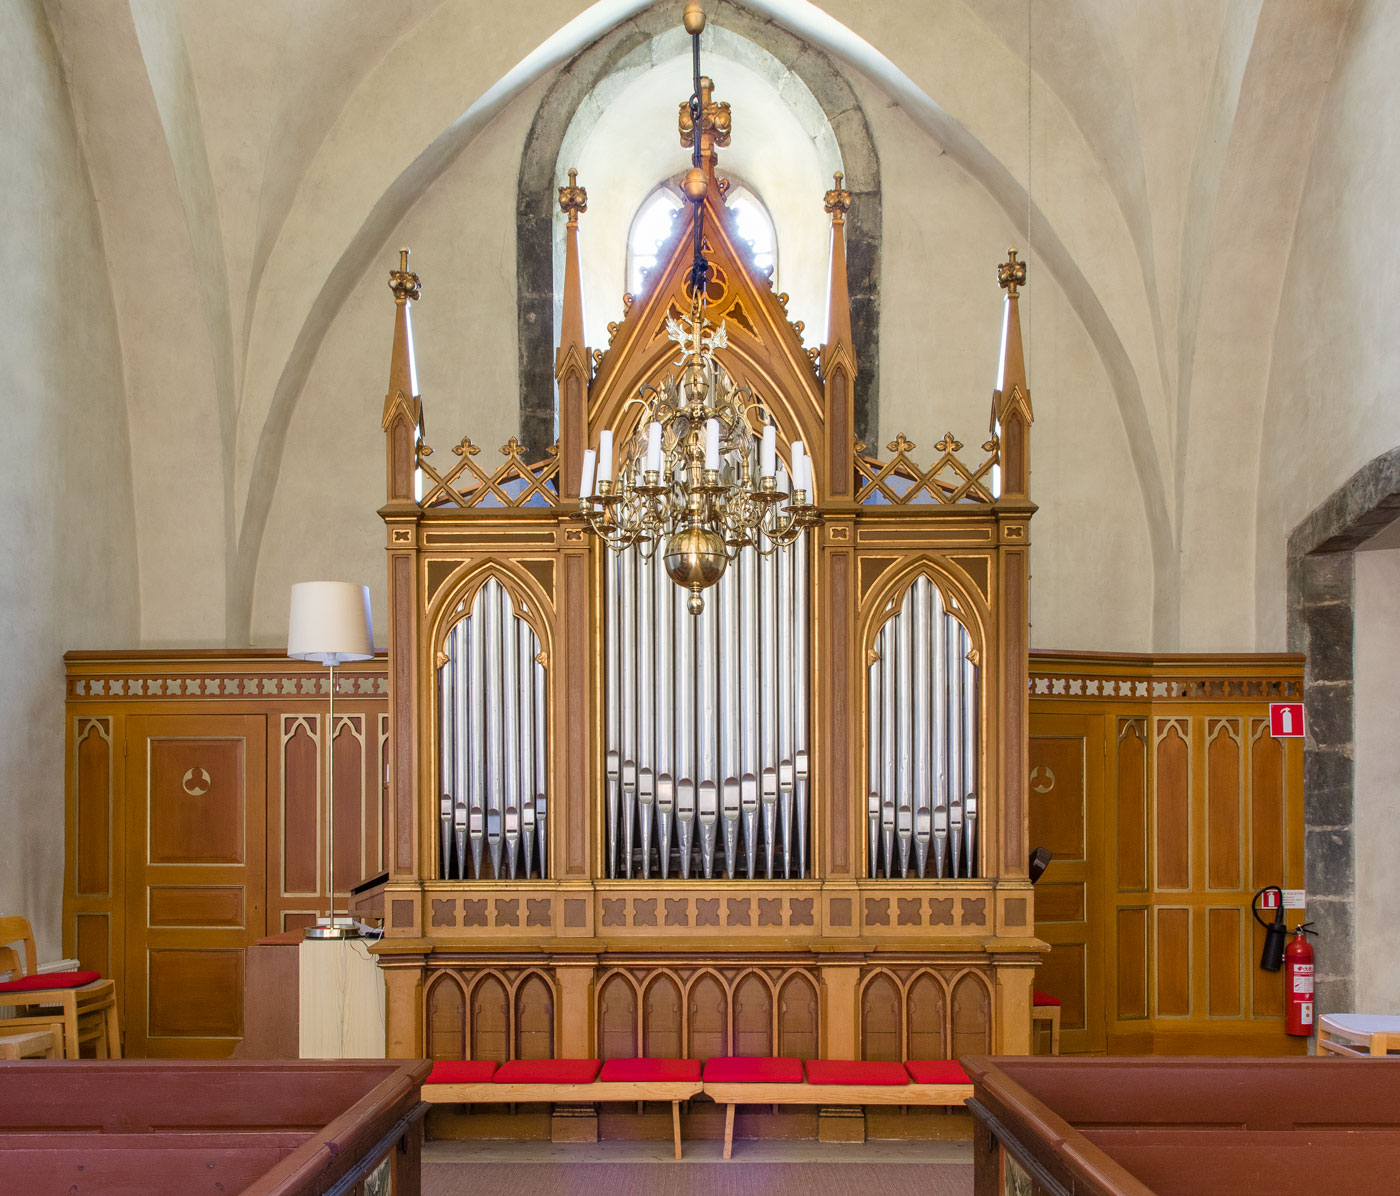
(1377, 778)
(68, 540)
(1332, 402)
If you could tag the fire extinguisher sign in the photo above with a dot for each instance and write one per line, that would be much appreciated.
(1286, 720)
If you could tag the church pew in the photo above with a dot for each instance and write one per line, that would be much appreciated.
(292, 1128)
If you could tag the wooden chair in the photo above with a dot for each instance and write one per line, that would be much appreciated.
(83, 1002)
(1045, 1008)
(1365, 1035)
(43, 1041)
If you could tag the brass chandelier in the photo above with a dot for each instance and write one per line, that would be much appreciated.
(701, 477)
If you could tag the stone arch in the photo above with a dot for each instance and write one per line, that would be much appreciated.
(654, 32)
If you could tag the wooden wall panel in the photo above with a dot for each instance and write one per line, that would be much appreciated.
(447, 1019)
(1225, 960)
(880, 1003)
(348, 751)
(1062, 972)
(972, 1016)
(1132, 805)
(1172, 962)
(1268, 805)
(300, 856)
(93, 829)
(93, 937)
(753, 1016)
(1173, 804)
(1133, 961)
(799, 1029)
(928, 1018)
(1224, 817)
(534, 1018)
(1057, 788)
(707, 1011)
(617, 1018)
(663, 1034)
(490, 1020)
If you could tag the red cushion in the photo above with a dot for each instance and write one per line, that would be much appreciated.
(665, 1070)
(854, 1071)
(461, 1071)
(547, 1071)
(42, 980)
(937, 1071)
(749, 1069)
(1040, 998)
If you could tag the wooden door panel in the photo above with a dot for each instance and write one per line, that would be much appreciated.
(196, 795)
(196, 813)
(1066, 815)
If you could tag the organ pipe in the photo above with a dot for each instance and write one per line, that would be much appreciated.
(492, 743)
(721, 706)
(922, 695)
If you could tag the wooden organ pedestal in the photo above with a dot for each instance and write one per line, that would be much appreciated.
(588, 853)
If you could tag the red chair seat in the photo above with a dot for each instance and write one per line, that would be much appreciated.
(547, 1071)
(461, 1071)
(937, 1071)
(42, 980)
(662, 1070)
(855, 1071)
(1040, 998)
(747, 1069)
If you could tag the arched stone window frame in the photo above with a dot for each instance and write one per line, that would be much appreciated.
(653, 35)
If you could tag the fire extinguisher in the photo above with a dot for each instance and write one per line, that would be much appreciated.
(1298, 983)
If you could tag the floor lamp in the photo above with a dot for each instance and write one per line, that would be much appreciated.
(330, 622)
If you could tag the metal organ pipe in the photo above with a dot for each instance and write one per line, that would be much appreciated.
(709, 714)
(491, 743)
(922, 708)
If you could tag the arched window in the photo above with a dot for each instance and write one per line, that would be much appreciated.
(654, 224)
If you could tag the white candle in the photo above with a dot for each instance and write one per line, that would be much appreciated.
(712, 444)
(590, 461)
(781, 479)
(768, 451)
(654, 447)
(798, 460)
(605, 456)
(810, 478)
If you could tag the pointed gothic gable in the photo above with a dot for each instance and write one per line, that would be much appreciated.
(765, 351)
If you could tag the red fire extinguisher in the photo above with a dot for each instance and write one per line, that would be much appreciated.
(1298, 983)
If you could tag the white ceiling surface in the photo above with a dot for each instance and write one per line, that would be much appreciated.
(265, 152)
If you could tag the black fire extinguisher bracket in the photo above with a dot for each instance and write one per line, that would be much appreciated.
(1275, 932)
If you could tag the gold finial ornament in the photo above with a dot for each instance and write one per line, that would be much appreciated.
(838, 200)
(573, 199)
(715, 121)
(695, 184)
(1011, 273)
(694, 17)
(403, 282)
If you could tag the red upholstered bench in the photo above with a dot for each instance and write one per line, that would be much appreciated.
(740, 1081)
(567, 1081)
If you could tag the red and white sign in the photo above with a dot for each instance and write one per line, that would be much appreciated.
(1268, 899)
(1286, 720)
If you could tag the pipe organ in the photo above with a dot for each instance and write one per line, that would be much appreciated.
(793, 822)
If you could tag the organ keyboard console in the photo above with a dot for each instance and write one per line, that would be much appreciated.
(793, 823)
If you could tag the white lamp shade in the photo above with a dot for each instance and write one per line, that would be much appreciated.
(330, 622)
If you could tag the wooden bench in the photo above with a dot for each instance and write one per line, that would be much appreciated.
(523, 1081)
(45, 1042)
(778, 1081)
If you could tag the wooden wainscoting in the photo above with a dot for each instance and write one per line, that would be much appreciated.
(1167, 803)
(196, 824)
